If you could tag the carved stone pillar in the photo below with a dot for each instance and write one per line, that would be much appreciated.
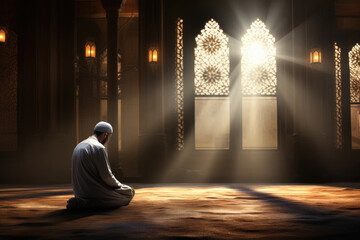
(112, 12)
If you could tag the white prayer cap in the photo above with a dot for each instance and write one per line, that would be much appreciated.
(103, 127)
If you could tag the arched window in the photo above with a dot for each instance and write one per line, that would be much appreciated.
(212, 86)
(354, 65)
(258, 88)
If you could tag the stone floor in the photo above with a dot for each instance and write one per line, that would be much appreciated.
(188, 211)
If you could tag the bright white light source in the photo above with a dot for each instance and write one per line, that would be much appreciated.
(258, 63)
(257, 54)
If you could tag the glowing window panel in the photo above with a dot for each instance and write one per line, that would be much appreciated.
(258, 63)
(259, 122)
(212, 61)
(212, 123)
(258, 86)
(338, 101)
(212, 86)
(179, 71)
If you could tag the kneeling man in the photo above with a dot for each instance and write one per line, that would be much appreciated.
(93, 182)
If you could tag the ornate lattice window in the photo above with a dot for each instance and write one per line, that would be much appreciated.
(258, 86)
(179, 72)
(338, 101)
(354, 65)
(212, 86)
(212, 61)
(258, 64)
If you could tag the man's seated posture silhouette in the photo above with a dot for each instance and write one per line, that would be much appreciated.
(93, 182)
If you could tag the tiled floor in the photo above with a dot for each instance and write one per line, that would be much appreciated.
(188, 211)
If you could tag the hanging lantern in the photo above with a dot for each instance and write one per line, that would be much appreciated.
(153, 55)
(315, 55)
(90, 50)
(2, 35)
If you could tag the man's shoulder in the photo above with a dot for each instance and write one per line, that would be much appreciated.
(90, 142)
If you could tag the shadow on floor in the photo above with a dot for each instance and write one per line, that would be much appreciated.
(341, 224)
(286, 205)
(37, 195)
(64, 215)
(344, 185)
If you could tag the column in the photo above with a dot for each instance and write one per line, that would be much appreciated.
(112, 12)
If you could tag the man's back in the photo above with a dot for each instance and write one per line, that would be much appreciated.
(93, 182)
(84, 174)
(91, 174)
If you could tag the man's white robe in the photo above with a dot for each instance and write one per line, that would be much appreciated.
(92, 178)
